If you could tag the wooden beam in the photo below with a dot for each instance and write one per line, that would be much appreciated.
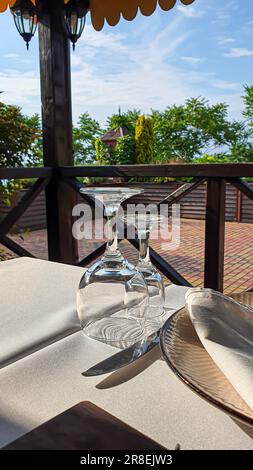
(13, 246)
(57, 130)
(167, 270)
(215, 234)
(24, 173)
(242, 186)
(28, 198)
(77, 186)
(164, 267)
(181, 192)
(93, 256)
(169, 170)
(60, 200)
(228, 171)
(238, 206)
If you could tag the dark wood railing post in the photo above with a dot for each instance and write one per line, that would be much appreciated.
(215, 234)
(238, 206)
(57, 130)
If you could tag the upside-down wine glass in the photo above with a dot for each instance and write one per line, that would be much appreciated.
(112, 298)
(144, 222)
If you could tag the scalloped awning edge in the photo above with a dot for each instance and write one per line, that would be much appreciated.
(112, 10)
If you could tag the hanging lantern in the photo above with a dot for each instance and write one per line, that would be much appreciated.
(75, 12)
(26, 19)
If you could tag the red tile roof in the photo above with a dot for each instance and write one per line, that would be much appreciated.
(113, 135)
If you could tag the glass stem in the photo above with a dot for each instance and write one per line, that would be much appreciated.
(112, 252)
(144, 237)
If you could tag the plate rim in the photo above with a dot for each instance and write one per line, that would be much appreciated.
(213, 401)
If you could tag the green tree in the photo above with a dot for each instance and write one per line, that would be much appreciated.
(207, 159)
(101, 152)
(183, 132)
(125, 151)
(248, 102)
(122, 154)
(84, 137)
(20, 145)
(144, 137)
(20, 138)
(241, 151)
(127, 119)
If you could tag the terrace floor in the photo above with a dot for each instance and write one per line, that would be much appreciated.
(188, 258)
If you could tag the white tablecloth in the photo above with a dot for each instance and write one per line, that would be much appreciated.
(40, 381)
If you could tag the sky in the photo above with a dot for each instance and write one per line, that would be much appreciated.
(205, 49)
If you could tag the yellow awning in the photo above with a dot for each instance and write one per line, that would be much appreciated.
(111, 10)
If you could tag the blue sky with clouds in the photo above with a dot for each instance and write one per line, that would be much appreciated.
(201, 50)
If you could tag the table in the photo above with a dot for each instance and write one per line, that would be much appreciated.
(43, 353)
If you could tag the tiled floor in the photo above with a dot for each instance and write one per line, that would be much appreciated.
(188, 258)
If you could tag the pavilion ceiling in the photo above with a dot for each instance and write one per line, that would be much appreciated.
(112, 10)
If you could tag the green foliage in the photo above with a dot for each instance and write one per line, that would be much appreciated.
(206, 159)
(20, 138)
(248, 102)
(187, 131)
(20, 145)
(101, 152)
(144, 137)
(125, 151)
(128, 119)
(180, 133)
(242, 152)
(8, 188)
(123, 154)
(84, 138)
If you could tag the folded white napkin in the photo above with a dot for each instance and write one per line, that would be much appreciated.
(225, 328)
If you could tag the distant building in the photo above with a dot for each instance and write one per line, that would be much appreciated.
(111, 137)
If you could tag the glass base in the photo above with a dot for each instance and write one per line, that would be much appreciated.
(116, 331)
(154, 322)
(112, 304)
(154, 312)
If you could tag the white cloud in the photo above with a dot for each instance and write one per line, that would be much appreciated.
(139, 75)
(224, 85)
(236, 52)
(192, 60)
(233, 5)
(225, 13)
(12, 56)
(190, 12)
(20, 89)
(226, 41)
(223, 16)
(104, 40)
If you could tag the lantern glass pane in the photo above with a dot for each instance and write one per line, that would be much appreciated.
(25, 21)
(18, 22)
(82, 22)
(75, 20)
(74, 23)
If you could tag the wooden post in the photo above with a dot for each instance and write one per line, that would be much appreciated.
(215, 234)
(57, 130)
(238, 206)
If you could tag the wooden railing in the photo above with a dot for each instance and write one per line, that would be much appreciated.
(57, 181)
